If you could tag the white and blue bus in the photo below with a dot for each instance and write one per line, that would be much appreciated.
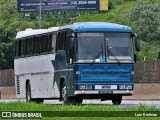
(87, 60)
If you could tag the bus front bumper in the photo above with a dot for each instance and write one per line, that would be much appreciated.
(122, 92)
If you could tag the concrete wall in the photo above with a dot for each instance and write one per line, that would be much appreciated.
(145, 91)
(7, 78)
(7, 92)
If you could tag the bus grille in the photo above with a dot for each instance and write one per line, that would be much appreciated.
(18, 85)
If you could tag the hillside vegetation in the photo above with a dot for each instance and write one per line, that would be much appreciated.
(142, 16)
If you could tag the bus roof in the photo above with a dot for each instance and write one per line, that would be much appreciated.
(31, 32)
(97, 26)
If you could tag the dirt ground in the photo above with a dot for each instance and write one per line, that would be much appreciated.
(141, 92)
(7, 92)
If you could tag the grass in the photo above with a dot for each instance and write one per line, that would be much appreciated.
(22, 106)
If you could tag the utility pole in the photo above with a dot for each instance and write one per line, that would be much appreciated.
(40, 14)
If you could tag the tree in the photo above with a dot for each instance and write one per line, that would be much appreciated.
(146, 16)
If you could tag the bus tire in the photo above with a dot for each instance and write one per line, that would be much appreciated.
(64, 97)
(28, 92)
(38, 100)
(76, 101)
(69, 100)
(117, 99)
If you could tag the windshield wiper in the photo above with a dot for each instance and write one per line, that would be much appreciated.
(113, 56)
(98, 54)
(109, 52)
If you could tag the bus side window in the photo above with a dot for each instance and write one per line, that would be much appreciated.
(34, 38)
(50, 42)
(46, 43)
(72, 47)
(41, 44)
(61, 42)
(53, 41)
(68, 53)
(51, 38)
(19, 48)
(58, 42)
(29, 46)
(23, 47)
(36, 45)
(16, 49)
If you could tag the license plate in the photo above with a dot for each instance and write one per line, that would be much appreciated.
(106, 86)
(103, 87)
(105, 92)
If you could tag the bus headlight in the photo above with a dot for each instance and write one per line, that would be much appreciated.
(82, 87)
(78, 72)
(128, 87)
(125, 87)
(88, 87)
(85, 87)
(122, 87)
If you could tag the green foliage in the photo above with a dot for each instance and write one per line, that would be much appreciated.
(149, 50)
(146, 18)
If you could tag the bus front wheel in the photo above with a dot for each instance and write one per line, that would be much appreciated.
(64, 96)
(76, 100)
(69, 100)
(116, 99)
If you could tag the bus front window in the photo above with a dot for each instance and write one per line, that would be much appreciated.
(120, 47)
(89, 46)
(104, 47)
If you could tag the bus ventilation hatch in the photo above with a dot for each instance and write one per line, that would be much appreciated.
(18, 85)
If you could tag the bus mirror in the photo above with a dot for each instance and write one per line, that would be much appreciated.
(72, 35)
(137, 44)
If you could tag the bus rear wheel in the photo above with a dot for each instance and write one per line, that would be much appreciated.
(38, 100)
(116, 99)
(28, 92)
(28, 95)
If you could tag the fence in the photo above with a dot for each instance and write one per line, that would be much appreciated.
(147, 72)
(7, 78)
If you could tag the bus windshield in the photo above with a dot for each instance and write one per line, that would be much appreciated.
(104, 47)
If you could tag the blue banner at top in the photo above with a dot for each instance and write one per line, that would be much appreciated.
(61, 5)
